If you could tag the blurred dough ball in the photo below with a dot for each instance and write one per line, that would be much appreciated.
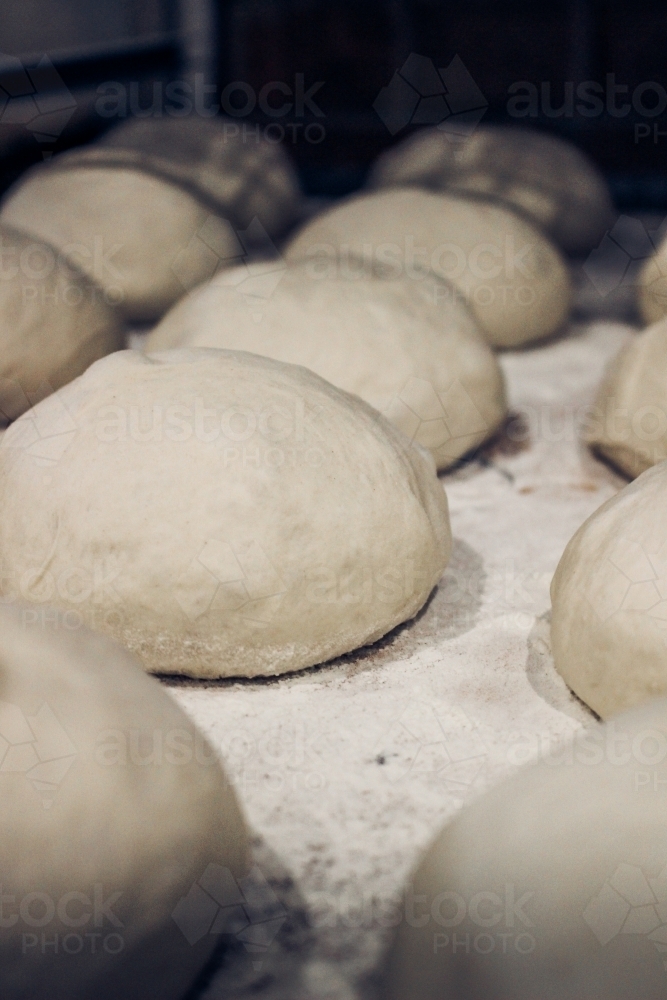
(552, 885)
(653, 285)
(114, 810)
(543, 176)
(629, 420)
(157, 207)
(406, 347)
(609, 597)
(230, 515)
(514, 281)
(54, 322)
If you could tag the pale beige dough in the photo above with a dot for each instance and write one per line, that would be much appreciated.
(652, 291)
(609, 597)
(552, 885)
(157, 206)
(405, 347)
(513, 279)
(54, 322)
(629, 419)
(543, 176)
(230, 515)
(113, 808)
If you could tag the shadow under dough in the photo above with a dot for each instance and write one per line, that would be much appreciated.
(545, 679)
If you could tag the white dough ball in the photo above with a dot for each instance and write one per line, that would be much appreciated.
(514, 280)
(54, 322)
(609, 597)
(552, 885)
(403, 346)
(221, 514)
(629, 419)
(157, 207)
(543, 176)
(113, 808)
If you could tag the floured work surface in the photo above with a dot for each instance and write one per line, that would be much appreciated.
(347, 771)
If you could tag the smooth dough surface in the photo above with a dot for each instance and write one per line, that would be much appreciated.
(137, 236)
(54, 322)
(543, 176)
(113, 808)
(220, 513)
(403, 346)
(630, 411)
(609, 597)
(514, 280)
(652, 291)
(552, 885)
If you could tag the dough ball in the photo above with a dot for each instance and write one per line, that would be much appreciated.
(113, 808)
(135, 235)
(652, 292)
(543, 176)
(629, 425)
(406, 347)
(608, 594)
(552, 885)
(242, 174)
(220, 513)
(54, 322)
(514, 281)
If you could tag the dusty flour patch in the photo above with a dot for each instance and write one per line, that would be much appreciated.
(348, 770)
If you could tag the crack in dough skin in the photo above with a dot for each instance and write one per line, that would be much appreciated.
(515, 282)
(221, 514)
(419, 361)
(609, 597)
(553, 882)
(113, 807)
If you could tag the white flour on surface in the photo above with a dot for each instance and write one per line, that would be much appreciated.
(346, 771)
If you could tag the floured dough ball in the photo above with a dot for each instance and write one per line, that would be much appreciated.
(552, 885)
(157, 207)
(232, 515)
(653, 285)
(114, 812)
(629, 425)
(609, 597)
(242, 174)
(54, 322)
(543, 176)
(406, 347)
(513, 279)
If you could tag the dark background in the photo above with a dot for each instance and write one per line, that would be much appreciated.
(355, 47)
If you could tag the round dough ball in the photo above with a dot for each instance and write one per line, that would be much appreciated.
(543, 176)
(113, 808)
(134, 234)
(629, 425)
(54, 322)
(652, 291)
(514, 281)
(231, 515)
(609, 595)
(241, 174)
(551, 885)
(406, 347)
